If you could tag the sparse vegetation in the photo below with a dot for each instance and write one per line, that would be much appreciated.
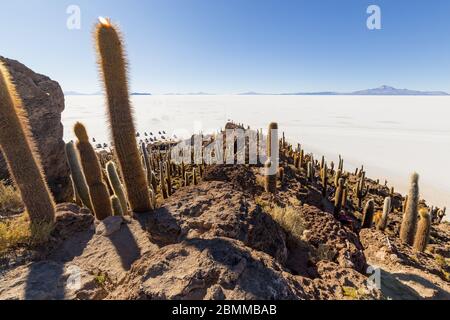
(10, 200)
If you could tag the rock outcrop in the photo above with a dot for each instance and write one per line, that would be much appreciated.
(44, 101)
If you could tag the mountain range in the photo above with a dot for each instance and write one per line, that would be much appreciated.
(380, 91)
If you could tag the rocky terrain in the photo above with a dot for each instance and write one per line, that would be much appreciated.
(220, 239)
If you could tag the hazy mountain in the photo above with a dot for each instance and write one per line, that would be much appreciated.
(391, 91)
(75, 93)
(140, 94)
(381, 91)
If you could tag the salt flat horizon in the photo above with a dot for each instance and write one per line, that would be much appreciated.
(392, 136)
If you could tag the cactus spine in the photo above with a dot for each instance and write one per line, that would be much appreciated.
(113, 66)
(368, 214)
(98, 190)
(409, 222)
(78, 179)
(116, 185)
(386, 209)
(18, 147)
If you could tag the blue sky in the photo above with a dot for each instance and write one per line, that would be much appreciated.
(230, 46)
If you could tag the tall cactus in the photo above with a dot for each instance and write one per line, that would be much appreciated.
(422, 236)
(98, 190)
(386, 209)
(113, 67)
(78, 178)
(338, 197)
(270, 172)
(116, 185)
(368, 214)
(324, 180)
(360, 191)
(409, 222)
(18, 147)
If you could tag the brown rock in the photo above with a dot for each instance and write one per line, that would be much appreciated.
(44, 101)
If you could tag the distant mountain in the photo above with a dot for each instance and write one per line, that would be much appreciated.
(75, 93)
(381, 91)
(141, 94)
(251, 93)
(391, 91)
(190, 94)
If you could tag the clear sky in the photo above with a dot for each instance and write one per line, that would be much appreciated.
(230, 46)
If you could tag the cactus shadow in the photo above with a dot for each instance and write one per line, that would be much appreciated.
(126, 246)
(45, 281)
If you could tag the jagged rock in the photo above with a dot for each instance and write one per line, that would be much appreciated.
(216, 209)
(43, 100)
(218, 268)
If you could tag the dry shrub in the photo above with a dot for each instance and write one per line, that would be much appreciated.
(18, 231)
(10, 200)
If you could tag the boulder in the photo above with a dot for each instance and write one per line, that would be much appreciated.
(43, 100)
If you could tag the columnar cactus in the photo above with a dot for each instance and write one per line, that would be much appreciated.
(324, 180)
(337, 176)
(338, 197)
(368, 214)
(301, 160)
(409, 222)
(422, 236)
(360, 191)
(78, 179)
(98, 190)
(113, 67)
(270, 173)
(116, 206)
(194, 176)
(169, 178)
(116, 185)
(281, 174)
(310, 171)
(384, 217)
(18, 147)
(162, 181)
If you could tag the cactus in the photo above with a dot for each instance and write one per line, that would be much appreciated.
(79, 181)
(409, 222)
(368, 214)
(344, 197)
(98, 190)
(359, 190)
(310, 171)
(169, 178)
(186, 179)
(270, 181)
(271, 134)
(324, 180)
(18, 147)
(152, 198)
(147, 163)
(337, 177)
(281, 174)
(162, 182)
(381, 225)
(194, 176)
(422, 235)
(116, 206)
(301, 160)
(391, 192)
(338, 197)
(116, 185)
(113, 67)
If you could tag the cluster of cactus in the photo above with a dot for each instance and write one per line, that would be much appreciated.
(17, 144)
(98, 190)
